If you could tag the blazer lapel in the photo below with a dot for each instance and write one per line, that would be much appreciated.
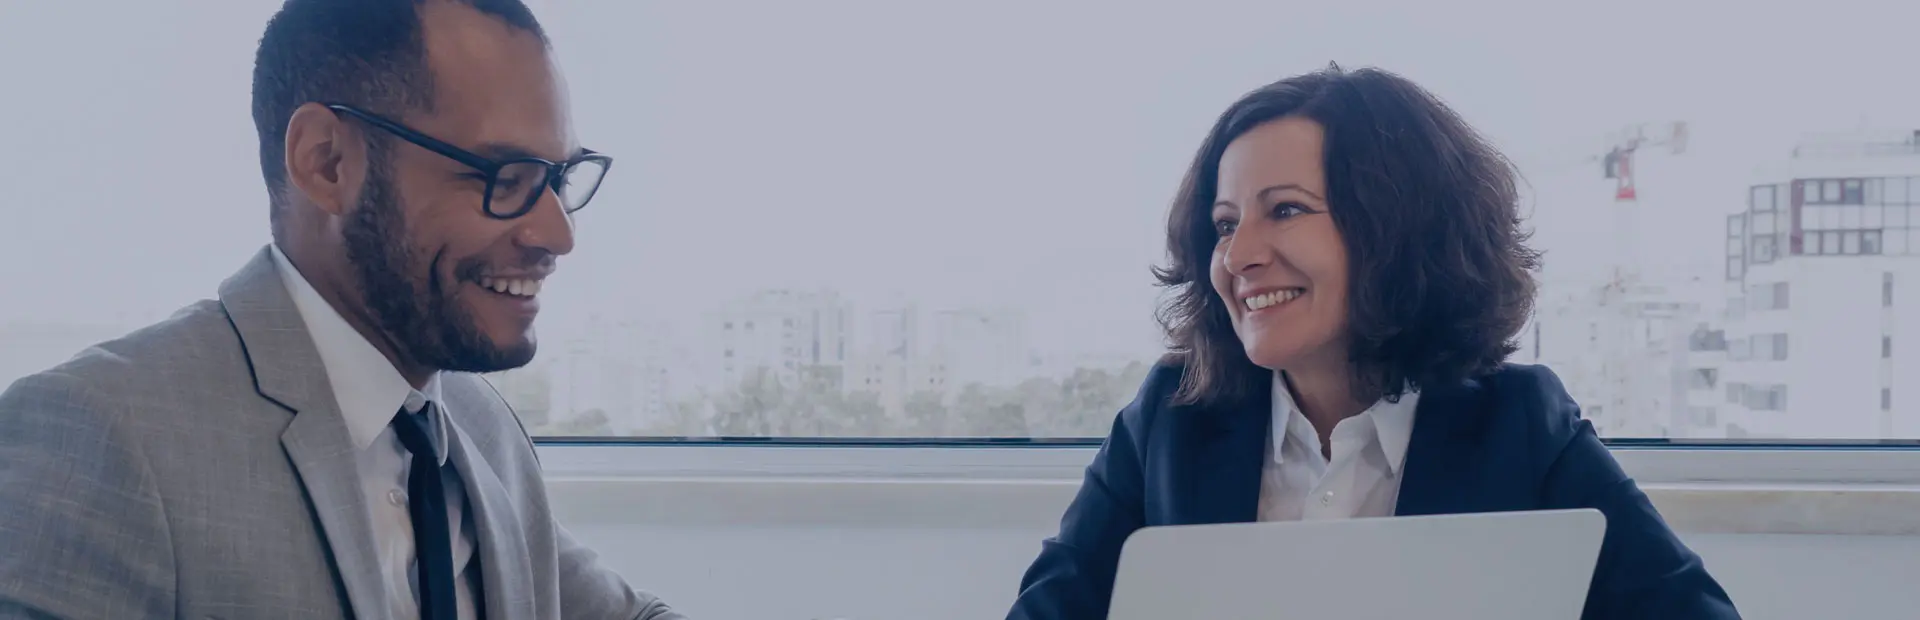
(1232, 442)
(504, 561)
(287, 370)
(1436, 474)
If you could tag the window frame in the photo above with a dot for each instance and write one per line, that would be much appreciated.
(1649, 461)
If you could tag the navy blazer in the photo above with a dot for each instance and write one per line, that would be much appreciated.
(1510, 440)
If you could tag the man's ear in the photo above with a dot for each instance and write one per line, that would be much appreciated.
(325, 158)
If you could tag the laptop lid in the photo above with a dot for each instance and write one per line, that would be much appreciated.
(1489, 566)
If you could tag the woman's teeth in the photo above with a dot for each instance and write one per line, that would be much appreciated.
(1268, 300)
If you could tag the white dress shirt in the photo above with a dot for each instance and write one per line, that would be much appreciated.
(369, 391)
(1298, 483)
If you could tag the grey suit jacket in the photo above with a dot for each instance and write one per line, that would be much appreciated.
(199, 468)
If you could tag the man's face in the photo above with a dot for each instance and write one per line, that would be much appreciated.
(451, 287)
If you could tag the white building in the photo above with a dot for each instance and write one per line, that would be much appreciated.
(784, 331)
(631, 370)
(988, 347)
(1622, 351)
(893, 359)
(1823, 266)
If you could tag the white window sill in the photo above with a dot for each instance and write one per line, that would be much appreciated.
(1732, 491)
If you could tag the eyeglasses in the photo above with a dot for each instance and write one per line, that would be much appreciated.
(515, 185)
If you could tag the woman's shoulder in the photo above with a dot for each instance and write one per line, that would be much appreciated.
(1529, 396)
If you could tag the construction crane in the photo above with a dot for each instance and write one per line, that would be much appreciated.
(1618, 161)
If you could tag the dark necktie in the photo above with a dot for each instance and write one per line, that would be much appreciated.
(427, 505)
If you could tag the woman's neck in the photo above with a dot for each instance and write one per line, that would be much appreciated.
(1324, 397)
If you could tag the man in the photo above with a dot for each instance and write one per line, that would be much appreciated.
(313, 443)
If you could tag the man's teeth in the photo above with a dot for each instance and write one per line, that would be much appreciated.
(1275, 298)
(521, 287)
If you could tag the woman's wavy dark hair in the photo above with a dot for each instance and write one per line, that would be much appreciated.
(1440, 275)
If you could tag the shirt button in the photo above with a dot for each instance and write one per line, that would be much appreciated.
(397, 497)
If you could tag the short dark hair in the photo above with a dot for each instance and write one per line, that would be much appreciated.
(369, 54)
(1440, 274)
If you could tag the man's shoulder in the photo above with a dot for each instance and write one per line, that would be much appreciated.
(194, 343)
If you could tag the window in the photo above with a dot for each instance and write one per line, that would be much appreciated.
(1850, 192)
(1763, 249)
(1886, 399)
(1764, 397)
(1895, 191)
(1886, 289)
(901, 170)
(1769, 347)
(1762, 198)
(1771, 296)
(1886, 347)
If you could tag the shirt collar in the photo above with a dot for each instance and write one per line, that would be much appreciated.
(366, 386)
(1392, 423)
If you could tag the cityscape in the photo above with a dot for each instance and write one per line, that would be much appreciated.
(1648, 351)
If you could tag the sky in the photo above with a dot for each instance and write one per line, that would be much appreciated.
(981, 153)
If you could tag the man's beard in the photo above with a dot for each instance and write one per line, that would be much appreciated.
(425, 321)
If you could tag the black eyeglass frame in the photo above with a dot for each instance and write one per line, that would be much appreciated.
(556, 171)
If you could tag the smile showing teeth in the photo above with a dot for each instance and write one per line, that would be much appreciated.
(517, 287)
(1268, 300)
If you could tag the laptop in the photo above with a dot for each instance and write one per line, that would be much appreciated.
(1491, 566)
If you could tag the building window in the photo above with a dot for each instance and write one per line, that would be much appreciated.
(1851, 192)
(1850, 242)
(1886, 289)
(1886, 399)
(1869, 242)
(1886, 347)
(1895, 192)
(1762, 249)
(1769, 347)
(1762, 198)
(1830, 191)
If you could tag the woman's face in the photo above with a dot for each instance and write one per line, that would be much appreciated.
(1280, 264)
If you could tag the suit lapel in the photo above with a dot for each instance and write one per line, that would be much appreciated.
(1232, 442)
(287, 370)
(1435, 479)
(504, 562)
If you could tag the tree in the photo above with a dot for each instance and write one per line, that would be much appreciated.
(751, 409)
(687, 418)
(926, 415)
(591, 423)
(981, 412)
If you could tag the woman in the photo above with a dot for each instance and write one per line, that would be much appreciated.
(1350, 273)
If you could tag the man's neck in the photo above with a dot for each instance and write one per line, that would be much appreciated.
(327, 278)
